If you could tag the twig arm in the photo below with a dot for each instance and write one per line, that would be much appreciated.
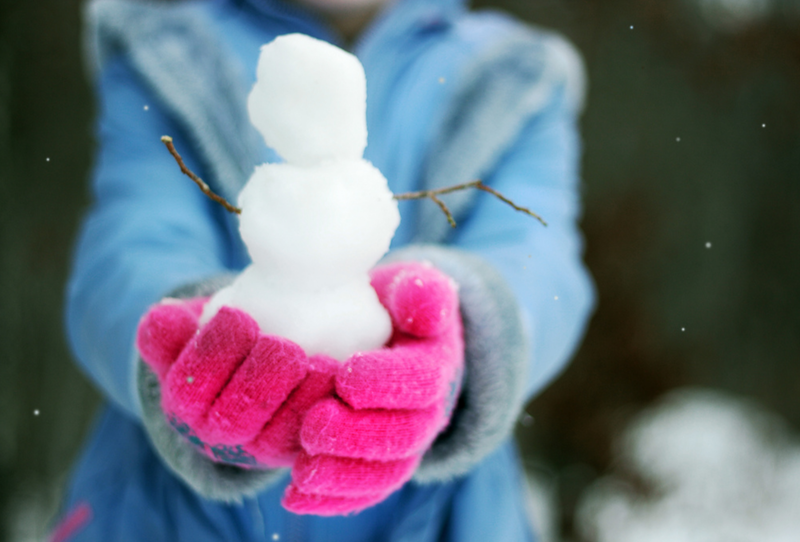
(433, 195)
(167, 140)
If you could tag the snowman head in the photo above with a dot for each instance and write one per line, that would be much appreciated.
(309, 100)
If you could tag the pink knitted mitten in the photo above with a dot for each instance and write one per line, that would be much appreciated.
(366, 441)
(238, 395)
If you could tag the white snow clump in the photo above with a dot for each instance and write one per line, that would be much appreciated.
(734, 15)
(721, 470)
(310, 101)
(315, 225)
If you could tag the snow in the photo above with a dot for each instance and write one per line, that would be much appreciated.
(526, 420)
(721, 469)
(315, 225)
(734, 15)
(311, 114)
(541, 504)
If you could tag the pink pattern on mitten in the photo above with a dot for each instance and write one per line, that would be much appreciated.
(390, 403)
(227, 387)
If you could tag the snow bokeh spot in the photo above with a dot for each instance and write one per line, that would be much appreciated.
(718, 468)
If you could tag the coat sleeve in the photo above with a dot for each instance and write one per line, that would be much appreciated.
(542, 265)
(149, 230)
(524, 291)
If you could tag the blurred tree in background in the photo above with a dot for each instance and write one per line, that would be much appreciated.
(692, 216)
(45, 153)
(692, 148)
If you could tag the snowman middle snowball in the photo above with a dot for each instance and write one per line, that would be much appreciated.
(315, 225)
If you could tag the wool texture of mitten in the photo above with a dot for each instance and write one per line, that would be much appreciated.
(238, 395)
(366, 440)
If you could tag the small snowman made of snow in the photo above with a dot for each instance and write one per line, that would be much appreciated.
(315, 225)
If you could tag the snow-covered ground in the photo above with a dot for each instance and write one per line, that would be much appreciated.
(30, 512)
(542, 505)
(721, 469)
(734, 15)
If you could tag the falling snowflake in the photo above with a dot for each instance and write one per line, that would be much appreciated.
(36, 412)
(678, 139)
(708, 244)
(526, 420)
(146, 107)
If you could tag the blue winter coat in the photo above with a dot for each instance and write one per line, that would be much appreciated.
(446, 102)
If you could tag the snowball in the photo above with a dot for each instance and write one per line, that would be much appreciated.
(313, 235)
(318, 226)
(309, 100)
(334, 321)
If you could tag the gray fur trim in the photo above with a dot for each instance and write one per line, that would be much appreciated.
(211, 480)
(497, 95)
(174, 50)
(496, 353)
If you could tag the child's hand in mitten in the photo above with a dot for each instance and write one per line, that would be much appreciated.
(390, 404)
(236, 394)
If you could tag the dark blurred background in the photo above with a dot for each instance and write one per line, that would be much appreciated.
(692, 221)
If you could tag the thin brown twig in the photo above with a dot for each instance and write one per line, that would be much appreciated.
(167, 140)
(443, 207)
(432, 194)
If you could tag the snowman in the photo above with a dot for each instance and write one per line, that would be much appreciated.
(316, 224)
